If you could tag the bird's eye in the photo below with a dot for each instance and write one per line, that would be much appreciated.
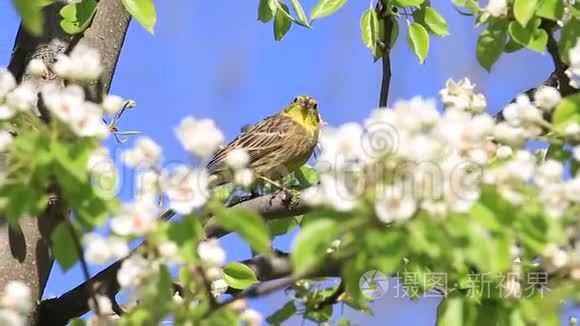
(315, 106)
(295, 99)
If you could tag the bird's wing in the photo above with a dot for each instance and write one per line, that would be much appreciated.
(262, 140)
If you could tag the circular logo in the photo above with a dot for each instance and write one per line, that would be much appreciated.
(373, 284)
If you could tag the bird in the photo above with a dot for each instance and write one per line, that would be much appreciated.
(276, 146)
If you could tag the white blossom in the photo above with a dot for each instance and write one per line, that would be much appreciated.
(6, 140)
(576, 153)
(83, 64)
(252, 317)
(211, 254)
(133, 271)
(36, 67)
(97, 249)
(572, 129)
(550, 171)
(522, 113)
(218, 287)
(237, 159)
(187, 189)
(547, 98)
(461, 96)
(6, 112)
(147, 184)
(136, 218)
(214, 273)
(146, 153)
(104, 303)
(16, 296)
(503, 152)
(112, 104)
(342, 146)
(200, 137)
(12, 318)
(497, 8)
(23, 97)
(169, 251)
(244, 177)
(7, 82)
(574, 71)
(395, 205)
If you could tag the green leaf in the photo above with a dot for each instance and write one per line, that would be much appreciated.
(418, 41)
(491, 43)
(307, 176)
(248, 224)
(282, 22)
(63, 246)
(310, 245)
(387, 248)
(512, 46)
(325, 7)
(302, 19)
(568, 38)
(266, 10)
(394, 33)
(550, 9)
(485, 216)
(281, 226)
(531, 36)
(77, 16)
(282, 314)
(320, 315)
(524, 10)
(407, 3)
(144, 12)
(371, 30)
(456, 311)
(568, 111)
(21, 200)
(239, 276)
(436, 22)
(31, 13)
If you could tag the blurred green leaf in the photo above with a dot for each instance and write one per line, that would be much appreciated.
(568, 111)
(76, 17)
(282, 314)
(418, 41)
(432, 20)
(512, 46)
(143, 11)
(532, 36)
(491, 43)
(300, 14)
(63, 246)
(524, 10)
(319, 315)
(550, 9)
(239, 276)
(306, 176)
(247, 224)
(407, 3)
(282, 22)
(281, 226)
(266, 10)
(310, 245)
(325, 7)
(568, 38)
(31, 13)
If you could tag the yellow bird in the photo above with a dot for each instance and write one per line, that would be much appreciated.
(277, 145)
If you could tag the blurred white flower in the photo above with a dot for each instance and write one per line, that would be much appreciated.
(342, 146)
(244, 177)
(554, 198)
(252, 317)
(214, 273)
(237, 159)
(557, 258)
(23, 97)
(461, 96)
(200, 137)
(97, 249)
(6, 140)
(105, 305)
(83, 64)
(118, 247)
(187, 189)
(112, 104)
(572, 189)
(549, 172)
(146, 153)
(572, 129)
(133, 271)
(6, 112)
(497, 8)
(547, 98)
(36, 67)
(522, 113)
(395, 205)
(576, 152)
(503, 152)
(12, 318)
(573, 72)
(136, 218)
(513, 136)
(218, 287)
(89, 122)
(63, 103)
(169, 252)
(211, 254)
(16, 296)
(7, 82)
(147, 184)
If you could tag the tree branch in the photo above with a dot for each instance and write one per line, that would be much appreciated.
(388, 23)
(74, 303)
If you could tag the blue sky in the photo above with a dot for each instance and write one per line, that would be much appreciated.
(214, 59)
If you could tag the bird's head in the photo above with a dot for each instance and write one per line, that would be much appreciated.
(304, 110)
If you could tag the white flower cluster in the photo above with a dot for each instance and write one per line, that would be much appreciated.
(460, 95)
(15, 98)
(15, 304)
(213, 258)
(83, 64)
(497, 8)
(238, 160)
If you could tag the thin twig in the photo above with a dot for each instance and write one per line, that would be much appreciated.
(385, 45)
(84, 265)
